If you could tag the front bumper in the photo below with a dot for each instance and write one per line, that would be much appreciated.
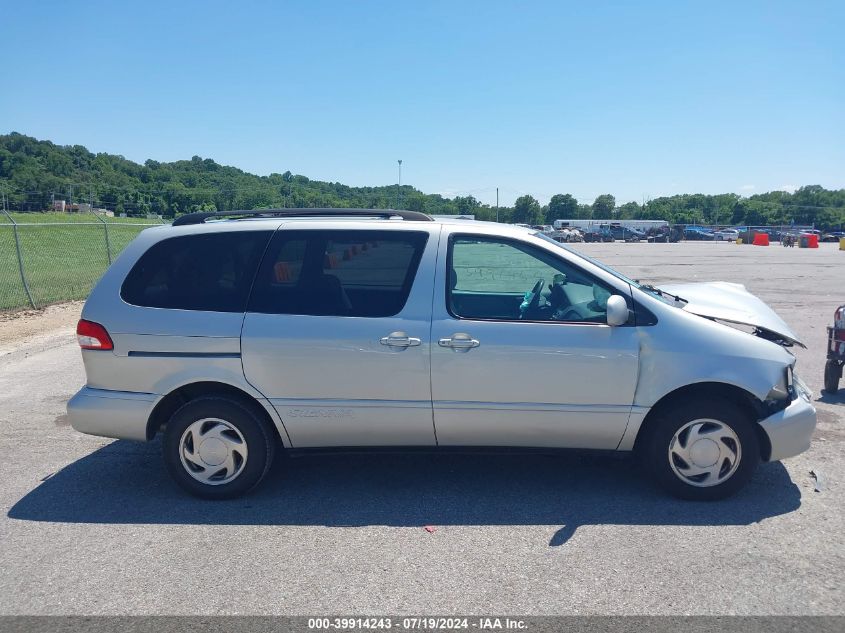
(790, 430)
(119, 414)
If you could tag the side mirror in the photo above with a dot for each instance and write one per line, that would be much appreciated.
(617, 310)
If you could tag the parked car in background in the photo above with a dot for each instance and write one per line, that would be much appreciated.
(698, 233)
(313, 328)
(833, 236)
(674, 234)
(566, 235)
(746, 234)
(728, 235)
(625, 233)
(597, 234)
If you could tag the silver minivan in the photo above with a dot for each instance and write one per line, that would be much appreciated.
(241, 335)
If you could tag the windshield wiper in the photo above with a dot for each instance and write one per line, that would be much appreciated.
(662, 293)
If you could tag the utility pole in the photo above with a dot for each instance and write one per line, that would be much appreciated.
(399, 186)
(497, 204)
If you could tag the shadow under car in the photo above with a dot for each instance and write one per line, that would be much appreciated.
(126, 482)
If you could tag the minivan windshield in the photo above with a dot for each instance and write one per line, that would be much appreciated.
(652, 290)
(594, 262)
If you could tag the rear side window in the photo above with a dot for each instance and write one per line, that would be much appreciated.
(210, 271)
(338, 273)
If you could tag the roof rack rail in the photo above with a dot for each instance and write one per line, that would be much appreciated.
(202, 216)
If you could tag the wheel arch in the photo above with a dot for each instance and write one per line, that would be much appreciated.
(171, 402)
(745, 400)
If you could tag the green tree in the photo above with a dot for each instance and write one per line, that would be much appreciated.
(526, 210)
(585, 212)
(629, 210)
(604, 206)
(34, 172)
(562, 205)
(466, 205)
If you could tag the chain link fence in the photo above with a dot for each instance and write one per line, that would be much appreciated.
(48, 262)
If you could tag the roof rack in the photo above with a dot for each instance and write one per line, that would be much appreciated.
(202, 216)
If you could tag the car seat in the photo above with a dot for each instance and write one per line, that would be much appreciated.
(324, 295)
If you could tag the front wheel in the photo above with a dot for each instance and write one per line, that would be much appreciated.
(701, 450)
(832, 373)
(217, 447)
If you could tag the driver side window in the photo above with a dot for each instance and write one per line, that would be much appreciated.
(493, 278)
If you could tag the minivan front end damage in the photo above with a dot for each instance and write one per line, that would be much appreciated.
(732, 303)
(790, 429)
(788, 417)
(718, 336)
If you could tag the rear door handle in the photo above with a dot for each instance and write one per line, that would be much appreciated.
(399, 339)
(459, 342)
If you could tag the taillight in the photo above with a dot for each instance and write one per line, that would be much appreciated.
(92, 336)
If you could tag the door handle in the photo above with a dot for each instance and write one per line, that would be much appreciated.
(399, 339)
(459, 342)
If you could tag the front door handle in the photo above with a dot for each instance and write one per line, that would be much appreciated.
(459, 342)
(399, 339)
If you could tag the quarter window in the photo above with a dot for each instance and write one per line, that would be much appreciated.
(338, 273)
(490, 278)
(209, 271)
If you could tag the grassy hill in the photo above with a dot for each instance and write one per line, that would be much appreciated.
(34, 172)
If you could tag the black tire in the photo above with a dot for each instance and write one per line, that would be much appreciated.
(832, 373)
(257, 437)
(655, 446)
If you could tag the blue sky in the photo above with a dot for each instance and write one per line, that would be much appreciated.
(634, 99)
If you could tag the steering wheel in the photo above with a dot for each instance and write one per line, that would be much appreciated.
(532, 300)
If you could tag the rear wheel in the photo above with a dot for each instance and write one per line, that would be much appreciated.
(832, 374)
(701, 450)
(217, 447)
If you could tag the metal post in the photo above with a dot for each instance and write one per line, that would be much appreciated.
(399, 186)
(497, 204)
(20, 258)
(105, 226)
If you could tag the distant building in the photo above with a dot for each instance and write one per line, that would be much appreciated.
(82, 207)
(639, 225)
(59, 205)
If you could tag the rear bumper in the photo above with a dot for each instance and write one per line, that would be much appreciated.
(119, 414)
(790, 431)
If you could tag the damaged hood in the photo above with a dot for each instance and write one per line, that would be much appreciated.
(732, 303)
